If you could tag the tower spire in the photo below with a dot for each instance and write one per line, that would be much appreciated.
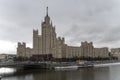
(47, 10)
(47, 18)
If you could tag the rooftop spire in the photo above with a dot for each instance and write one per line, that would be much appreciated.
(47, 10)
(47, 18)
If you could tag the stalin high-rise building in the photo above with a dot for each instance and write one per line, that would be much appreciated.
(48, 43)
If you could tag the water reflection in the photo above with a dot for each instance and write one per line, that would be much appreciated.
(7, 70)
(50, 75)
(106, 73)
(101, 73)
(83, 74)
(114, 73)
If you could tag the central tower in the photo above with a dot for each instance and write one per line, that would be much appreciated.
(48, 35)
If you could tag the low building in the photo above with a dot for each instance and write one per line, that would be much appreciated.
(115, 52)
(3, 57)
(7, 57)
(101, 52)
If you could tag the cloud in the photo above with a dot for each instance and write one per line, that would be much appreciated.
(76, 20)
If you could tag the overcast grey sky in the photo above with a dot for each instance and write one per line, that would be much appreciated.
(76, 20)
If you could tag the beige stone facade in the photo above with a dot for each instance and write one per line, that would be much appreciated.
(115, 52)
(72, 51)
(101, 52)
(49, 43)
(87, 49)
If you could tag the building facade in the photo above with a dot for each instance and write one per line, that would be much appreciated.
(49, 43)
(115, 52)
(7, 57)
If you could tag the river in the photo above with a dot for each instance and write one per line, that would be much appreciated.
(103, 73)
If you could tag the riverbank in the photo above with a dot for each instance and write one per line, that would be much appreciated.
(49, 65)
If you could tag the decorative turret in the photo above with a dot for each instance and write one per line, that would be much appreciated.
(21, 50)
(35, 33)
(63, 40)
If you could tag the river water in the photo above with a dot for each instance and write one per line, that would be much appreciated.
(103, 73)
